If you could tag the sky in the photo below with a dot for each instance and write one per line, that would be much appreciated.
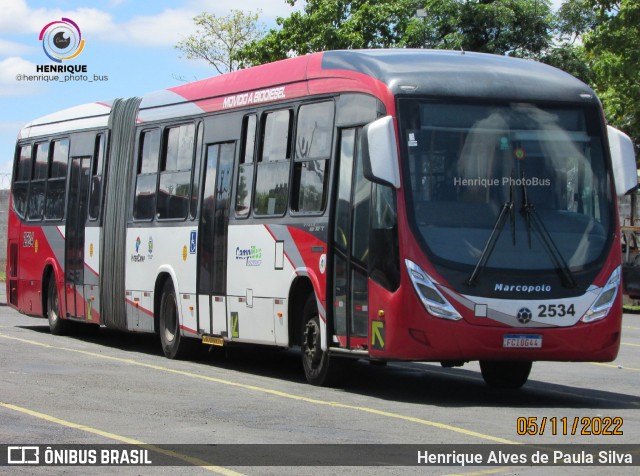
(128, 43)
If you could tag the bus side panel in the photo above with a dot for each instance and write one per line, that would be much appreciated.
(150, 252)
(40, 246)
(259, 274)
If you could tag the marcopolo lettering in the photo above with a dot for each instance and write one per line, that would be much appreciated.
(522, 288)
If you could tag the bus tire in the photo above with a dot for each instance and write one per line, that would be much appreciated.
(315, 361)
(57, 325)
(174, 345)
(506, 375)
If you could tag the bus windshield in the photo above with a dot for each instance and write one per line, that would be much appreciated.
(506, 186)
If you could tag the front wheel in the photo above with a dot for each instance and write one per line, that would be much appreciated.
(174, 345)
(508, 375)
(315, 361)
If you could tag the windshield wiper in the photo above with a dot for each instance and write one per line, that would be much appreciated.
(533, 220)
(507, 209)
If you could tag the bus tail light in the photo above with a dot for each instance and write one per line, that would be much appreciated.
(432, 299)
(605, 300)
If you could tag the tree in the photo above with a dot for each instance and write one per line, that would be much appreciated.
(514, 27)
(573, 19)
(613, 48)
(517, 27)
(219, 39)
(334, 24)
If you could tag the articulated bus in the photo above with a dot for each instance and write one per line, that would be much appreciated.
(405, 205)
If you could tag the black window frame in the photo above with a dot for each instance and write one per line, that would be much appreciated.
(145, 174)
(19, 183)
(299, 162)
(246, 163)
(57, 182)
(97, 176)
(163, 172)
(264, 165)
(38, 184)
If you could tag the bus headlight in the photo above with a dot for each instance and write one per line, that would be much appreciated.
(602, 305)
(431, 297)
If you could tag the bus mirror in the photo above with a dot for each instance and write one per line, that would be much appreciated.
(380, 152)
(623, 159)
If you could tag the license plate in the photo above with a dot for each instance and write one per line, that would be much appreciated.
(522, 341)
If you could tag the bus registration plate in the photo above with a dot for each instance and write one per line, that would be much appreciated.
(523, 341)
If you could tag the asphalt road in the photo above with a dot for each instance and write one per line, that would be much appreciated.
(105, 387)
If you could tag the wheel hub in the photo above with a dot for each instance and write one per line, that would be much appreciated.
(312, 345)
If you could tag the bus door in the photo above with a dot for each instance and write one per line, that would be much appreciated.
(212, 238)
(74, 236)
(351, 245)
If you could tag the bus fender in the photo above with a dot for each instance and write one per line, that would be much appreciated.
(311, 276)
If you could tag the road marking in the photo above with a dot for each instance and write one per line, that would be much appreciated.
(482, 472)
(277, 393)
(632, 345)
(112, 436)
(614, 366)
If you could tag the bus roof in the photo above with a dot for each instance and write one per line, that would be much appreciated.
(420, 72)
(444, 73)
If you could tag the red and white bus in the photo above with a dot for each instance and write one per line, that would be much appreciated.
(390, 204)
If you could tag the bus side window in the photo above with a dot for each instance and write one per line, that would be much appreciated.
(175, 175)
(56, 183)
(384, 263)
(314, 134)
(245, 172)
(35, 209)
(22, 176)
(195, 180)
(144, 204)
(272, 178)
(95, 194)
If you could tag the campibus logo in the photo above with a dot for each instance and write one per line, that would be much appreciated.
(61, 40)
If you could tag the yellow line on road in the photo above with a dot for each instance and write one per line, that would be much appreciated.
(278, 393)
(482, 472)
(122, 439)
(614, 366)
(631, 345)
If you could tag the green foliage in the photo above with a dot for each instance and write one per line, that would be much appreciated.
(597, 41)
(334, 24)
(570, 58)
(517, 27)
(613, 48)
(219, 39)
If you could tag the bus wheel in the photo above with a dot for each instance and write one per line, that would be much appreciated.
(57, 325)
(505, 374)
(314, 360)
(174, 345)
